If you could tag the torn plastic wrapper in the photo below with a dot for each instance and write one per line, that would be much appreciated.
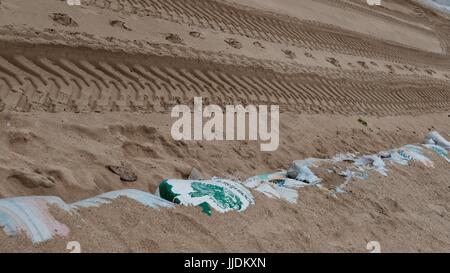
(435, 138)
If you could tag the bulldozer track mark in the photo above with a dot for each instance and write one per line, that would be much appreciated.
(99, 80)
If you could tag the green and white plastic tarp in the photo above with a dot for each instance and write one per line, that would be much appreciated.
(222, 195)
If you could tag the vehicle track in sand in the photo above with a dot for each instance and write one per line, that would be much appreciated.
(232, 19)
(61, 78)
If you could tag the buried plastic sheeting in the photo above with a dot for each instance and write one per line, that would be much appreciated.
(142, 197)
(439, 150)
(436, 139)
(279, 192)
(300, 170)
(31, 214)
(279, 185)
(276, 185)
(223, 195)
(372, 162)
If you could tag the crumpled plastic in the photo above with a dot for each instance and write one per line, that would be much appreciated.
(300, 170)
(439, 151)
(372, 162)
(435, 138)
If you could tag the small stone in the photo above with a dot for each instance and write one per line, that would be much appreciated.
(124, 173)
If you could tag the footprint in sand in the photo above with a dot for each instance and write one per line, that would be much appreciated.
(174, 38)
(63, 19)
(119, 24)
(373, 63)
(363, 64)
(234, 43)
(391, 68)
(410, 69)
(259, 45)
(289, 53)
(196, 34)
(309, 55)
(430, 72)
(334, 62)
(2, 105)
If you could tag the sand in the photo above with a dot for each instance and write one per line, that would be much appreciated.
(82, 88)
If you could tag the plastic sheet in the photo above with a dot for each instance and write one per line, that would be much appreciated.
(435, 138)
(372, 162)
(145, 198)
(439, 150)
(31, 215)
(278, 192)
(300, 170)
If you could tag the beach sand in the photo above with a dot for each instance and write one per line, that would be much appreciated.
(84, 87)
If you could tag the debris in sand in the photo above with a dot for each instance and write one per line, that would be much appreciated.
(372, 161)
(234, 43)
(222, 195)
(439, 151)
(119, 24)
(39, 224)
(63, 19)
(436, 139)
(123, 172)
(174, 38)
(145, 198)
(31, 215)
(299, 170)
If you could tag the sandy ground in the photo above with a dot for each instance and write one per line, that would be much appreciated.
(377, 21)
(90, 86)
(406, 212)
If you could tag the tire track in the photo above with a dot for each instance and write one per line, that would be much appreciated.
(255, 24)
(100, 80)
